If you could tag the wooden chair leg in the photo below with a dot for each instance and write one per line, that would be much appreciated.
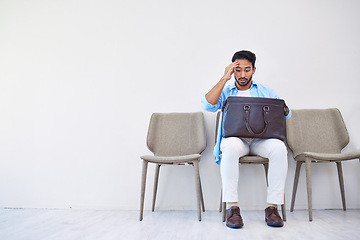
(223, 211)
(296, 181)
(309, 187)
(266, 167)
(220, 205)
(283, 210)
(201, 195)
(143, 185)
(197, 187)
(156, 181)
(341, 183)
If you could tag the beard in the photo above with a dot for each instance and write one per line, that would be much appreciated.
(246, 81)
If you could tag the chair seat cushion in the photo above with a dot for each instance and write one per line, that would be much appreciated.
(171, 159)
(328, 156)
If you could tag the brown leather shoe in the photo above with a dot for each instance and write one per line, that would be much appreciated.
(273, 218)
(233, 218)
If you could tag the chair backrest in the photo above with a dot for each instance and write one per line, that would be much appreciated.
(176, 134)
(316, 130)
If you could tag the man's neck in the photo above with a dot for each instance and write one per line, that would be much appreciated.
(243, 88)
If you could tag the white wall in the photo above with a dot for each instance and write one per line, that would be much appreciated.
(80, 79)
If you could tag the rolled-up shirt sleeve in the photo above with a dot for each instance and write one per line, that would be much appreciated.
(208, 106)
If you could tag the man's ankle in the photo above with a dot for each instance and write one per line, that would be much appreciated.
(271, 205)
(231, 204)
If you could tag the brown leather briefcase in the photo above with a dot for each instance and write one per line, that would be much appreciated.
(253, 117)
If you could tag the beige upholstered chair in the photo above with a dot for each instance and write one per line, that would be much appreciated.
(317, 136)
(175, 139)
(247, 160)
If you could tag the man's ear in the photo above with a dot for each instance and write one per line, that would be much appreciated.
(254, 70)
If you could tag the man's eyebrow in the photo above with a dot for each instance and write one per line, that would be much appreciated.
(248, 67)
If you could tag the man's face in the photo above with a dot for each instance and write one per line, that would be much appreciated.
(243, 73)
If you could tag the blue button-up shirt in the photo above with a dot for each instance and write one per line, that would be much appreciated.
(256, 90)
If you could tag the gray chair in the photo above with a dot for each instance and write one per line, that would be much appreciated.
(317, 136)
(250, 159)
(174, 139)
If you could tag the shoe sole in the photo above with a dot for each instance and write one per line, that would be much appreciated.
(235, 226)
(274, 224)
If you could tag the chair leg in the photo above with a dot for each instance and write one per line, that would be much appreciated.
(202, 196)
(223, 211)
(266, 166)
(143, 185)
(296, 181)
(197, 187)
(341, 182)
(220, 207)
(156, 181)
(283, 210)
(309, 187)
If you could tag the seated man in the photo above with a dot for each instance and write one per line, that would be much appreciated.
(232, 148)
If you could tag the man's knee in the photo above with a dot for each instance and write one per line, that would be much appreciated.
(234, 145)
(277, 147)
(278, 144)
(272, 146)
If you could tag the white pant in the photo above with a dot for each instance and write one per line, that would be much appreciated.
(275, 150)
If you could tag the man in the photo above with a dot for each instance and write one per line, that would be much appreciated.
(232, 148)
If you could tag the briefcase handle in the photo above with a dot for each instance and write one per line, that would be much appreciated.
(246, 118)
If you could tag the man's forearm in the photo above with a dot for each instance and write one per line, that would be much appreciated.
(214, 94)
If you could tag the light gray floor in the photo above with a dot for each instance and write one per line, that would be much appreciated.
(38, 224)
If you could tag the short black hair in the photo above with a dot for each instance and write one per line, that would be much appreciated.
(244, 54)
